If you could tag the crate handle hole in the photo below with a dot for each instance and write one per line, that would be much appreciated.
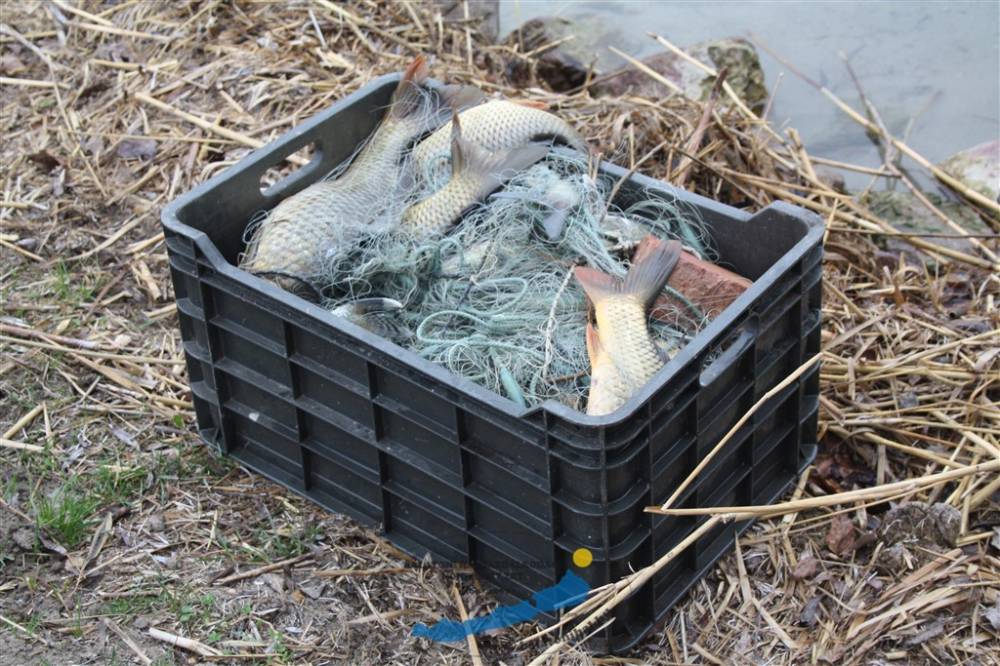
(294, 167)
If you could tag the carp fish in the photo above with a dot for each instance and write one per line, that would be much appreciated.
(293, 244)
(475, 172)
(497, 125)
(622, 353)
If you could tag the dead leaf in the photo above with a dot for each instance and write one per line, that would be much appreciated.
(275, 581)
(44, 160)
(99, 541)
(156, 523)
(11, 64)
(993, 615)
(934, 629)
(143, 149)
(806, 568)
(840, 538)
(810, 612)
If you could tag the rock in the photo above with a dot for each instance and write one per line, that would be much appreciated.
(977, 167)
(919, 523)
(25, 539)
(487, 11)
(563, 67)
(737, 55)
(904, 211)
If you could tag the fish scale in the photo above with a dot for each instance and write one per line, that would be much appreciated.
(635, 355)
(496, 125)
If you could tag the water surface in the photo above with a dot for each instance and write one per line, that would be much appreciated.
(937, 62)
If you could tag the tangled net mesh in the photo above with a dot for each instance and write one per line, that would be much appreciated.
(493, 300)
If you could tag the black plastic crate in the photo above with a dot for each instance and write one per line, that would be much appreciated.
(447, 468)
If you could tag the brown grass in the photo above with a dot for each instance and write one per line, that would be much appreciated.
(122, 540)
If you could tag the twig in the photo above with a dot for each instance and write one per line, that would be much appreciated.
(188, 644)
(29, 83)
(211, 127)
(337, 573)
(9, 444)
(94, 354)
(15, 625)
(128, 640)
(93, 18)
(23, 422)
(253, 573)
(889, 161)
(694, 143)
(21, 250)
(864, 494)
(121, 32)
(477, 660)
(744, 109)
(802, 369)
(49, 337)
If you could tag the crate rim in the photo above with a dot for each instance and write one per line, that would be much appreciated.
(262, 158)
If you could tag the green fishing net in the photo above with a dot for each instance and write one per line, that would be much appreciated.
(494, 301)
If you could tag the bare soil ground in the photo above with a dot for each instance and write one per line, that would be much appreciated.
(116, 522)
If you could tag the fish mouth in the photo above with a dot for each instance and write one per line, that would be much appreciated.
(295, 284)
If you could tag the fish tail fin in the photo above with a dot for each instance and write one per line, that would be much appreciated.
(490, 168)
(652, 264)
(594, 348)
(408, 97)
(598, 285)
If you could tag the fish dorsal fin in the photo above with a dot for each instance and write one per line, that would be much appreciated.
(458, 97)
(596, 284)
(652, 264)
(489, 168)
(406, 99)
(531, 104)
(594, 349)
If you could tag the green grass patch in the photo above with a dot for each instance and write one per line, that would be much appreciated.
(66, 514)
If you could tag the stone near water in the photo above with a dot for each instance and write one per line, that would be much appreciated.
(903, 210)
(978, 167)
(738, 56)
(579, 41)
(483, 14)
(562, 67)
